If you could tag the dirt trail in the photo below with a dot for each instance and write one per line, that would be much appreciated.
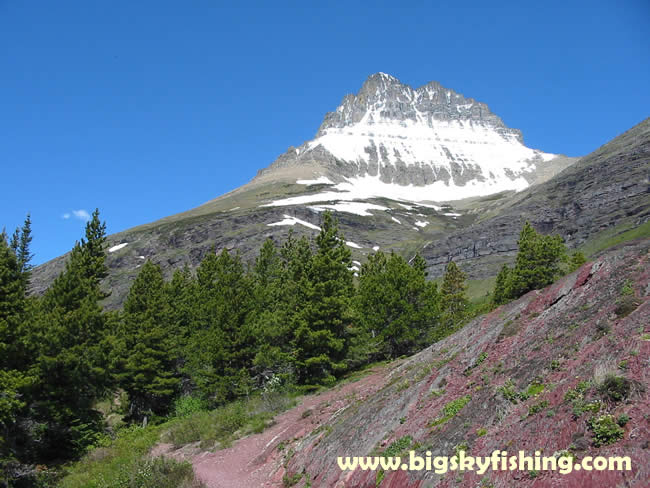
(256, 461)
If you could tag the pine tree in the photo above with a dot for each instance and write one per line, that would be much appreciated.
(24, 254)
(453, 296)
(221, 349)
(93, 248)
(272, 319)
(501, 287)
(576, 260)
(418, 263)
(321, 338)
(12, 303)
(179, 297)
(397, 307)
(70, 360)
(147, 346)
(20, 244)
(538, 261)
(14, 381)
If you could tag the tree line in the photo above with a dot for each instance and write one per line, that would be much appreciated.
(296, 316)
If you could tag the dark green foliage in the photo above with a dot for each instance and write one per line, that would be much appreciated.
(605, 430)
(16, 382)
(70, 357)
(576, 260)
(398, 447)
(615, 388)
(221, 347)
(12, 304)
(20, 244)
(453, 297)
(397, 308)
(279, 277)
(320, 339)
(623, 419)
(146, 347)
(501, 292)
(538, 262)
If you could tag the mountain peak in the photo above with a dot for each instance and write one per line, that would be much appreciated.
(431, 138)
(381, 80)
(384, 98)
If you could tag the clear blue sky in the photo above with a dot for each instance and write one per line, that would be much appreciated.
(148, 108)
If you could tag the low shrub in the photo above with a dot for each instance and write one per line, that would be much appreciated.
(606, 430)
(614, 388)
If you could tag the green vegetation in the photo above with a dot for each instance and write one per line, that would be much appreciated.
(510, 393)
(614, 388)
(605, 430)
(398, 447)
(623, 419)
(538, 407)
(397, 308)
(577, 398)
(453, 296)
(627, 302)
(450, 410)
(216, 354)
(612, 237)
(481, 357)
(222, 424)
(118, 462)
(220, 350)
(538, 264)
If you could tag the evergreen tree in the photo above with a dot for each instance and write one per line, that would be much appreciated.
(320, 340)
(12, 303)
(23, 251)
(93, 249)
(272, 322)
(576, 260)
(501, 291)
(180, 298)
(538, 261)
(397, 307)
(70, 360)
(453, 296)
(418, 263)
(221, 349)
(14, 381)
(147, 346)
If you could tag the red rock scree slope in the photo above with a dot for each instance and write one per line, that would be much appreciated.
(510, 370)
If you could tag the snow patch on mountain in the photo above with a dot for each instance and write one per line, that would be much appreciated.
(118, 247)
(291, 221)
(366, 187)
(357, 208)
(321, 180)
(438, 144)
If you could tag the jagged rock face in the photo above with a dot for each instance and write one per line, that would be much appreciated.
(603, 190)
(400, 102)
(431, 137)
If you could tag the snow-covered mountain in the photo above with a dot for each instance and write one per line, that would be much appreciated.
(424, 144)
